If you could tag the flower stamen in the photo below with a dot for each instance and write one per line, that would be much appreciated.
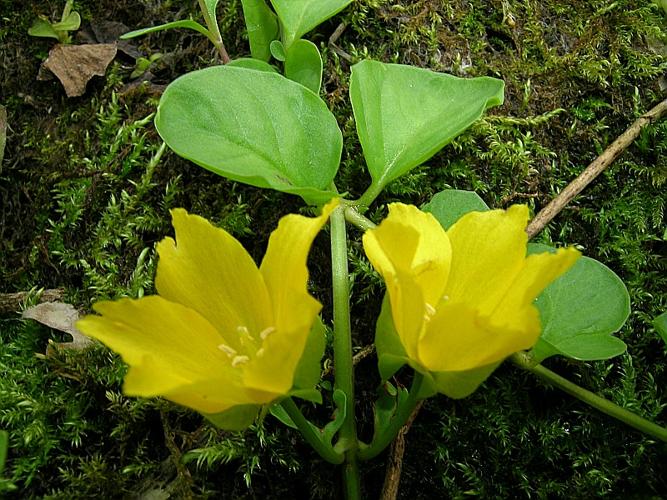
(266, 332)
(239, 360)
(227, 350)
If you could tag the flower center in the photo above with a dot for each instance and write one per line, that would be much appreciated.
(251, 345)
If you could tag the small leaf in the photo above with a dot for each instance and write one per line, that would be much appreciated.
(303, 64)
(43, 28)
(211, 6)
(237, 418)
(253, 127)
(70, 23)
(660, 325)
(277, 50)
(404, 115)
(250, 63)
(4, 444)
(580, 310)
(309, 370)
(262, 26)
(330, 430)
(450, 205)
(298, 17)
(279, 412)
(384, 409)
(184, 23)
(390, 351)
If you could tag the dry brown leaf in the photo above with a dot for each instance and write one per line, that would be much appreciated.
(62, 317)
(75, 65)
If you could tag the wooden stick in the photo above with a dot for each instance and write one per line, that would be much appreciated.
(594, 169)
(11, 302)
(392, 476)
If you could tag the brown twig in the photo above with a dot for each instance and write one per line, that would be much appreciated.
(392, 476)
(334, 38)
(364, 353)
(594, 169)
(11, 302)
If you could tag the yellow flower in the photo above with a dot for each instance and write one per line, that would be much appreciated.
(461, 300)
(221, 334)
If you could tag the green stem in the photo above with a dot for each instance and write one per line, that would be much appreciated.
(214, 32)
(310, 433)
(342, 344)
(523, 360)
(389, 433)
(369, 196)
(353, 216)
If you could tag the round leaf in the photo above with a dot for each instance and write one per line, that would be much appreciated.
(404, 115)
(303, 64)
(298, 17)
(254, 127)
(450, 205)
(580, 310)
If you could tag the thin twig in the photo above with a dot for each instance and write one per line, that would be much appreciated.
(392, 475)
(11, 302)
(364, 353)
(334, 38)
(594, 169)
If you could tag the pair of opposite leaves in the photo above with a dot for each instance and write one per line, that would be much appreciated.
(262, 129)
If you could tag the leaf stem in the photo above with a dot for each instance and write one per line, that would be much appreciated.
(403, 412)
(342, 344)
(369, 196)
(355, 218)
(523, 360)
(214, 32)
(311, 433)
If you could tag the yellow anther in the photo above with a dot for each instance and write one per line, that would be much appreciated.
(239, 360)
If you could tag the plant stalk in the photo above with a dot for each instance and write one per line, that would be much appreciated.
(214, 32)
(310, 433)
(522, 360)
(342, 344)
(353, 216)
(384, 439)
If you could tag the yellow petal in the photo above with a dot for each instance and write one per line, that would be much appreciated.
(488, 252)
(209, 271)
(458, 338)
(538, 272)
(415, 243)
(286, 276)
(411, 251)
(169, 348)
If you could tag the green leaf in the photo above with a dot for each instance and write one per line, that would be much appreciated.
(388, 346)
(660, 325)
(279, 412)
(262, 26)
(404, 115)
(277, 50)
(330, 430)
(249, 63)
(384, 409)
(185, 23)
(450, 205)
(71, 22)
(303, 64)
(43, 28)
(4, 444)
(580, 310)
(237, 418)
(309, 369)
(211, 6)
(298, 17)
(254, 127)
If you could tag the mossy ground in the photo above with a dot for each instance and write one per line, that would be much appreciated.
(81, 207)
